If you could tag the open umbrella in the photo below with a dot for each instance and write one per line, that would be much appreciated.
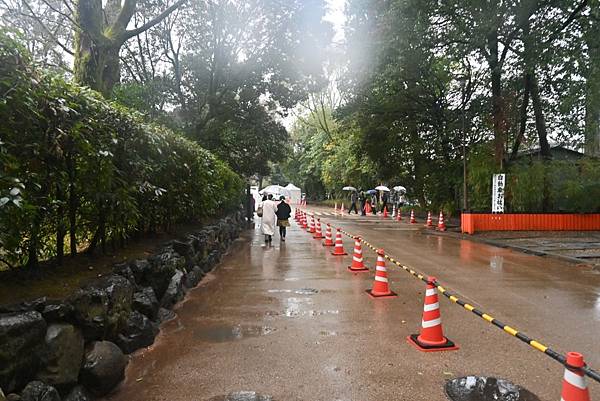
(399, 188)
(382, 188)
(348, 189)
(275, 190)
(371, 192)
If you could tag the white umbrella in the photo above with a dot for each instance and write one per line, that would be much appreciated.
(382, 188)
(399, 188)
(348, 189)
(275, 190)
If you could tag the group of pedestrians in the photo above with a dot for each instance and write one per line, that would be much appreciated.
(274, 214)
(371, 203)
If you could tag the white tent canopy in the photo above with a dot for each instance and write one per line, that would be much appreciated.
(295, 193)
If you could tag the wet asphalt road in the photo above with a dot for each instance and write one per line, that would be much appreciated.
(291, 322)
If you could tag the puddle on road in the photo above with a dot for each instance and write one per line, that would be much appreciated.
(242, 396)
(306, 291)
(294, 311)
(301, 291)
(225, 333)
(481, 388)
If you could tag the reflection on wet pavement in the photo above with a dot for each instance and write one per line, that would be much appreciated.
(477, 388)
(224, 333)
(242, 396)
(291, 322)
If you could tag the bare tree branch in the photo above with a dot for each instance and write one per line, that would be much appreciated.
(131, 33)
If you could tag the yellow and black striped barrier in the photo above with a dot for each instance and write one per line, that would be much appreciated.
(591, 373)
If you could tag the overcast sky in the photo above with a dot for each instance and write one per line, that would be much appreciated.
(335, 15)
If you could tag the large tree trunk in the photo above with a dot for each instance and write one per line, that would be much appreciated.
(522, 116)
(540, 121)
(497, 107)
(99, 36)
(97, 66)
(592, 87)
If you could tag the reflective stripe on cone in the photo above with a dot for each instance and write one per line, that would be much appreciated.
(339, 245)
(573, 385)
(431, 337)
(381, 288)
(357, 259)
(328, 240)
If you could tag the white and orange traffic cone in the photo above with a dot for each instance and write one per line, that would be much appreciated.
(573, 385)
(335, 208)
(441, 225)
(312, 228)
(357, 258)
(381, 289)
(328, 240)
(304, 222)
(318, 233)
(385, 212)
(432, 335)
(339, 245)
(412, 217)
(429, 223)
(399, 215)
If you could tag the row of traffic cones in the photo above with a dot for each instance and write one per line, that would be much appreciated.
(397, 214)
(431, 336)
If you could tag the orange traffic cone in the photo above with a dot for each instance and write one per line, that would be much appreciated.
(441, 225)
(328, 240)
(368, 209)
(381, 289)
(318, 233)
(357, 259)
(312, 229)
(339, 245)
(385, 213)
(429, 223)
(574, 387)
(335, 208)
(412, 217)
(304, 223)
(399, 215)
(432, 336)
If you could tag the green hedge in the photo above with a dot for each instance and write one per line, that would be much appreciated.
(538, 186)
(79, 169)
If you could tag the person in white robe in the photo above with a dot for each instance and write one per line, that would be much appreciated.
(269, 219)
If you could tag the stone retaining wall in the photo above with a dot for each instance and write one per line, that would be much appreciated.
(75, 349)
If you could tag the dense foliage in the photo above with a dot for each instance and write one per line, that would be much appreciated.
(74, 165)
(428, 85)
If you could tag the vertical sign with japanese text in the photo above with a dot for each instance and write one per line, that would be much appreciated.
(498, 184)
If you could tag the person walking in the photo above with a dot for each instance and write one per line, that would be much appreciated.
(384, 201)
(353, 200)
(362, 200)
(284, 211)
(268, 218)
(374, 204)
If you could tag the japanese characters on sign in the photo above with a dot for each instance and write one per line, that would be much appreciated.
(498, 184)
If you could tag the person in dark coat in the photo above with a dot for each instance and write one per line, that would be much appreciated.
(284, 211)
(362, 198)
(353, 200)
(384, 201)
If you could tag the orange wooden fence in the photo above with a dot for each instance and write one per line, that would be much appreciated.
(472, 222)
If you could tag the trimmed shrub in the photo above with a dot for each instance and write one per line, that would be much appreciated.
(77, 171)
